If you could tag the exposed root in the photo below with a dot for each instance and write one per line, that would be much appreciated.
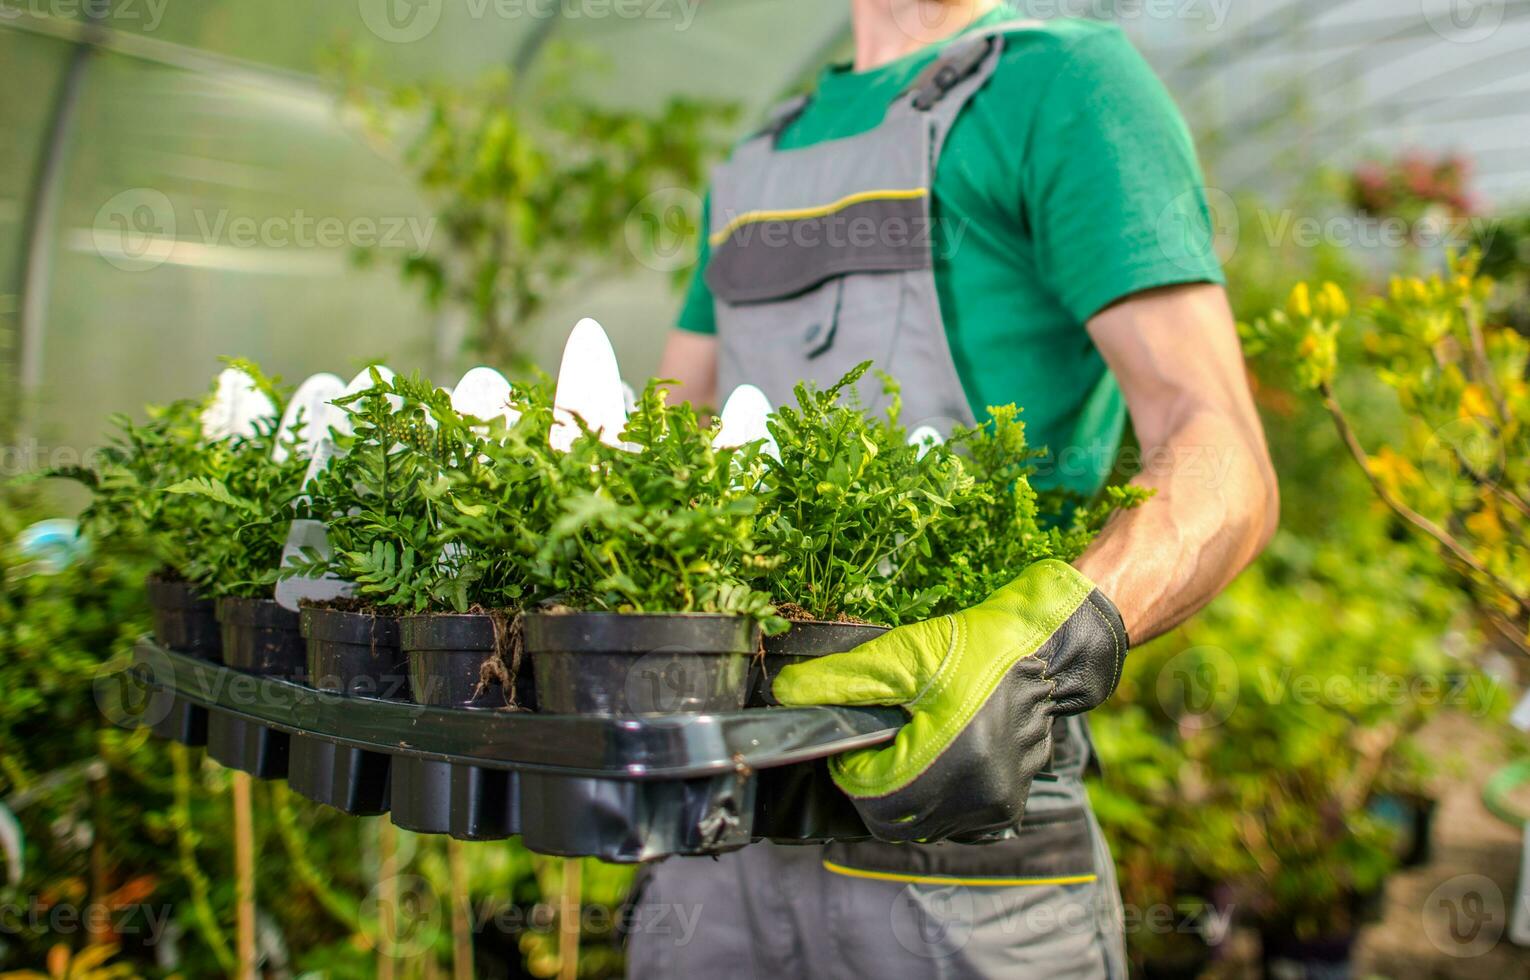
(504, 663)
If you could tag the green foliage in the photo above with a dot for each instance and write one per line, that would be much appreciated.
(666, 526)
(239, 502)
(864, 525)
(213, 513)
(995, 532)
(495, 513)
(1505, 246)
(381, 495)
(128, 477)
(851, 506)
(533, 186)
(1246, 751)
(1457, 467)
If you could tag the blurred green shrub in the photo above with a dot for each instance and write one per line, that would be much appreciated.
(1455, 467)
(535, 187)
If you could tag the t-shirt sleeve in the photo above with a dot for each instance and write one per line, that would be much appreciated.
(697, 314)
(1110, 183)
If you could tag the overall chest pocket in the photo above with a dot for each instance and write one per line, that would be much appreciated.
(807, 295)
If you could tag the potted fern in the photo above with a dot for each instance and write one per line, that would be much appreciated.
(128, 505)
(651, 553)
(234, 503)
(424, 511)
(872, 531)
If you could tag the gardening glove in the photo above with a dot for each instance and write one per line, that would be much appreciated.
(981, 688)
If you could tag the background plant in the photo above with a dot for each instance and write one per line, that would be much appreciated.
(532, 185)
(1412, 184)
(1456, 467)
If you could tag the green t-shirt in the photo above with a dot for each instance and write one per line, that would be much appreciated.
(1068, 182)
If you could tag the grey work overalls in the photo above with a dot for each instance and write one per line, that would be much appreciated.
(821, 258)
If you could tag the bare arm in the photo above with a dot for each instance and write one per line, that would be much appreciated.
(691, 359)
(1176, 355)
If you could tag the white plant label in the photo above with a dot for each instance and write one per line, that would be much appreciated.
(744, 416)
(307, 409)
(306, 534)
(484, 393)
(925, 437)
(590, 387)
(236, 406)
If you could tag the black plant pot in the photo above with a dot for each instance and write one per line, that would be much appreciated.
(615, 663)
(800, 802)
(1323, 958)
(260, 638)
(446, 653)
(356, 655)
(804, 641)
(185, 622)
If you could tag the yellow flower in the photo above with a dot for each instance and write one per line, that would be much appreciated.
(1300, 303)
(1334, 300)
(1475, 403)
(1485, 525)
(1394, 472)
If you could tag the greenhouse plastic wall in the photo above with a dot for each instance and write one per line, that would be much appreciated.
(205, 147)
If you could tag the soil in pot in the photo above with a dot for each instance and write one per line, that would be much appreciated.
(261, 637)
(184, 621)
(805, 640)
(617, 663)
(463, 660)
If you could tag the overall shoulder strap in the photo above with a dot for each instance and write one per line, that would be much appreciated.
(781, 115)
(960, 62)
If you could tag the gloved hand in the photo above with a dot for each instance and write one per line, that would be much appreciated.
(981, 688)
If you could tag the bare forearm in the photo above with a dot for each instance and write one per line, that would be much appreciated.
(691, 361)
(1214, 508)
(1175, 353)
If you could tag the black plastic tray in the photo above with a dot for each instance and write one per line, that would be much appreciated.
(624, 789)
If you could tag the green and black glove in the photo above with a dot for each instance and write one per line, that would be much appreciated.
(981, 688)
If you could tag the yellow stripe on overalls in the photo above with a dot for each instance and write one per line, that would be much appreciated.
(840, 869)
(752, 217)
